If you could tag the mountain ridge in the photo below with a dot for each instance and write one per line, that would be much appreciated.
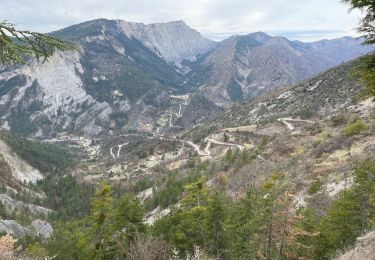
(124, 75)
(244, 66)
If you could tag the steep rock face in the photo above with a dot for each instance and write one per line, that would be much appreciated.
(243, 67)
(11, 227)
(14, 170)
(174, 41)
(365, 248)
(41, 228)
(49, 96)
(38, 228)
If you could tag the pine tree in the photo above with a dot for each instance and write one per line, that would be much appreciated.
(366, 69)
(126, 221)
(98, 219)
(367, 26)
(17, 45)
(215, 222)
(364, 188)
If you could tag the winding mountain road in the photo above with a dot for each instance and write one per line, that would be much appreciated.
(287, 121)
(119, 147)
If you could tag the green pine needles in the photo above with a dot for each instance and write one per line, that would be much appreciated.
(17, 45)
(366, 70)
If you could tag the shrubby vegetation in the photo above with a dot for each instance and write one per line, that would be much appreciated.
(167, 192)
(338, 120)
(356, 127)
(265, 223)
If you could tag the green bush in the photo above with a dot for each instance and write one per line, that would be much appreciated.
(365, 71)
(315, 187)
(266, 139)
(304, 114)
(356, 127)
(338, 120)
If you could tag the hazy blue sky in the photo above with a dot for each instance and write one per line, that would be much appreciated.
(305, 20)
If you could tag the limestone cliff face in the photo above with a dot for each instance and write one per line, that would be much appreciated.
(14, 170)
(174, 41)
(365, 249)
(43, 98)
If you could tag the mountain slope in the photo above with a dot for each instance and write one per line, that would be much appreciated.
(328, 93)
(243, 67)
(24, 161)
(113, 82)
(124, 77)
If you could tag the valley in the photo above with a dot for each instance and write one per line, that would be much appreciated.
(176, 139)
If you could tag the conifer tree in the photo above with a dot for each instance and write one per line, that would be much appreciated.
(17, 45)
(366, 69)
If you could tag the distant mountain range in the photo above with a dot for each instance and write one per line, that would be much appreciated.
(153, 78)
(242, 67)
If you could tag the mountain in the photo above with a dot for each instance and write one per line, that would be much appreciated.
(151, 79)
(112, 82)
(173, 41)
(322, 96)
(242, 67)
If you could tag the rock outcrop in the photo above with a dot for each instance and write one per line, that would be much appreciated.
(41, 228)
(38, 228)
(12, 205)
(12, 228)
(365, 249)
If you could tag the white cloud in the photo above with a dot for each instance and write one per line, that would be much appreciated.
(327, 18)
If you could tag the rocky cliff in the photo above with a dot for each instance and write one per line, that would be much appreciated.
(173, 41)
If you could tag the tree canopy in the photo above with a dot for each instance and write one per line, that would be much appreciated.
(366, 69)
(367, 26)
(17, 45)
